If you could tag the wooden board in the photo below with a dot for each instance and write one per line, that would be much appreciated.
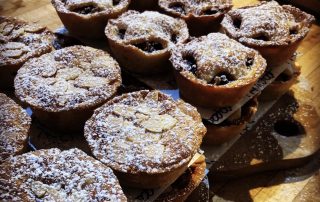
(272, 186)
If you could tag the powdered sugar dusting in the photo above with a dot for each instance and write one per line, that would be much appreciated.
(14, 127)
(148, 25)
(71, 78)
(216, 53)
(144, 131)
(54, 175)
(267, 23)
(20, 41)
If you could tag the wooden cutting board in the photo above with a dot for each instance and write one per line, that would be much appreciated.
(271, 186)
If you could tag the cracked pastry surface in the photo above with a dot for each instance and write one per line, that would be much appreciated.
(90, 7)
(148, 31)
(75, 77)
(186, 8)
(267, 23)
(20, 41)
(14, 127)
(216, 60)
(144, 132)
(55, 175)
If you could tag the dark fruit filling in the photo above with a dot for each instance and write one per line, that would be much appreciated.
(178, 7)
(191, 62)
(237, 23)
(121, 33)
(222, 78)
(210, 11)
(149, 46)
(87, 10)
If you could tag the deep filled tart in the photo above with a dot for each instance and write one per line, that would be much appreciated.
(88, 18)
(272, 29)
(146, 137)
(65, 86)
(20, 41)
(14, 127)
(215, 71)
(55, 175)
(141, 42)
(202, 16)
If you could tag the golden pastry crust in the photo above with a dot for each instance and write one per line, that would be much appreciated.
(186, 183)
(141, 41)
(88, 18)
(14, 127)
(20, 41)
(269, 25)
(230, 128)
(216, 71)
(55, 175)
(64, 86)
(145, 136)
(202, 16)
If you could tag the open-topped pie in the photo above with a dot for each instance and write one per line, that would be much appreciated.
(274, 30)
(146, 137)
(14, 128)
(64, 86)
(141, 42)
(88, 18)
(216, 71)
(54, 175)
(202, 16)
(20, 41)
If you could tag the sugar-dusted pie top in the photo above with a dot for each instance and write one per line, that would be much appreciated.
(20, 41)
(14, 127)
(267, 23)
(54, 175)
(75, 77)
(217, 60)
(90, 7)
(144, 132)
(187, 8)
(138, 29)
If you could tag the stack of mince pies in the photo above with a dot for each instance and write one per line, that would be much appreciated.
(143, 139)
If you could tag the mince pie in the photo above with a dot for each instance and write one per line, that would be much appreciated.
(55, 175)
(274, 30)
(281, 84)
(202, 16)
(215, 71)
(65, 86)
(88, 18)
(146, 137)
(20, 41)
(232, 126)
(141, 41)
(186, 183)
(14, 127)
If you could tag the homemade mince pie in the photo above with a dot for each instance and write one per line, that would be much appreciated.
(88, 18)
(281, 84)
(232, 126)
(215, 71)
(146, 137)
(65, 86)
(14, 127)
(141, 42)
(274, 30)
(202, 16)
(20, 41)
(55, 175)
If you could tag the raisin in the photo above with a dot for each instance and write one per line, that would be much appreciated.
(191, 62)
(222, 78)
(178, 7)
(149, 46)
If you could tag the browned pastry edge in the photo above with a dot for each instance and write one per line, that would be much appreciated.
(186, 183)
(219, 134)
(87, 26)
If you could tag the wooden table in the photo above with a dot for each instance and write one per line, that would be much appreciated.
(301, 184)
